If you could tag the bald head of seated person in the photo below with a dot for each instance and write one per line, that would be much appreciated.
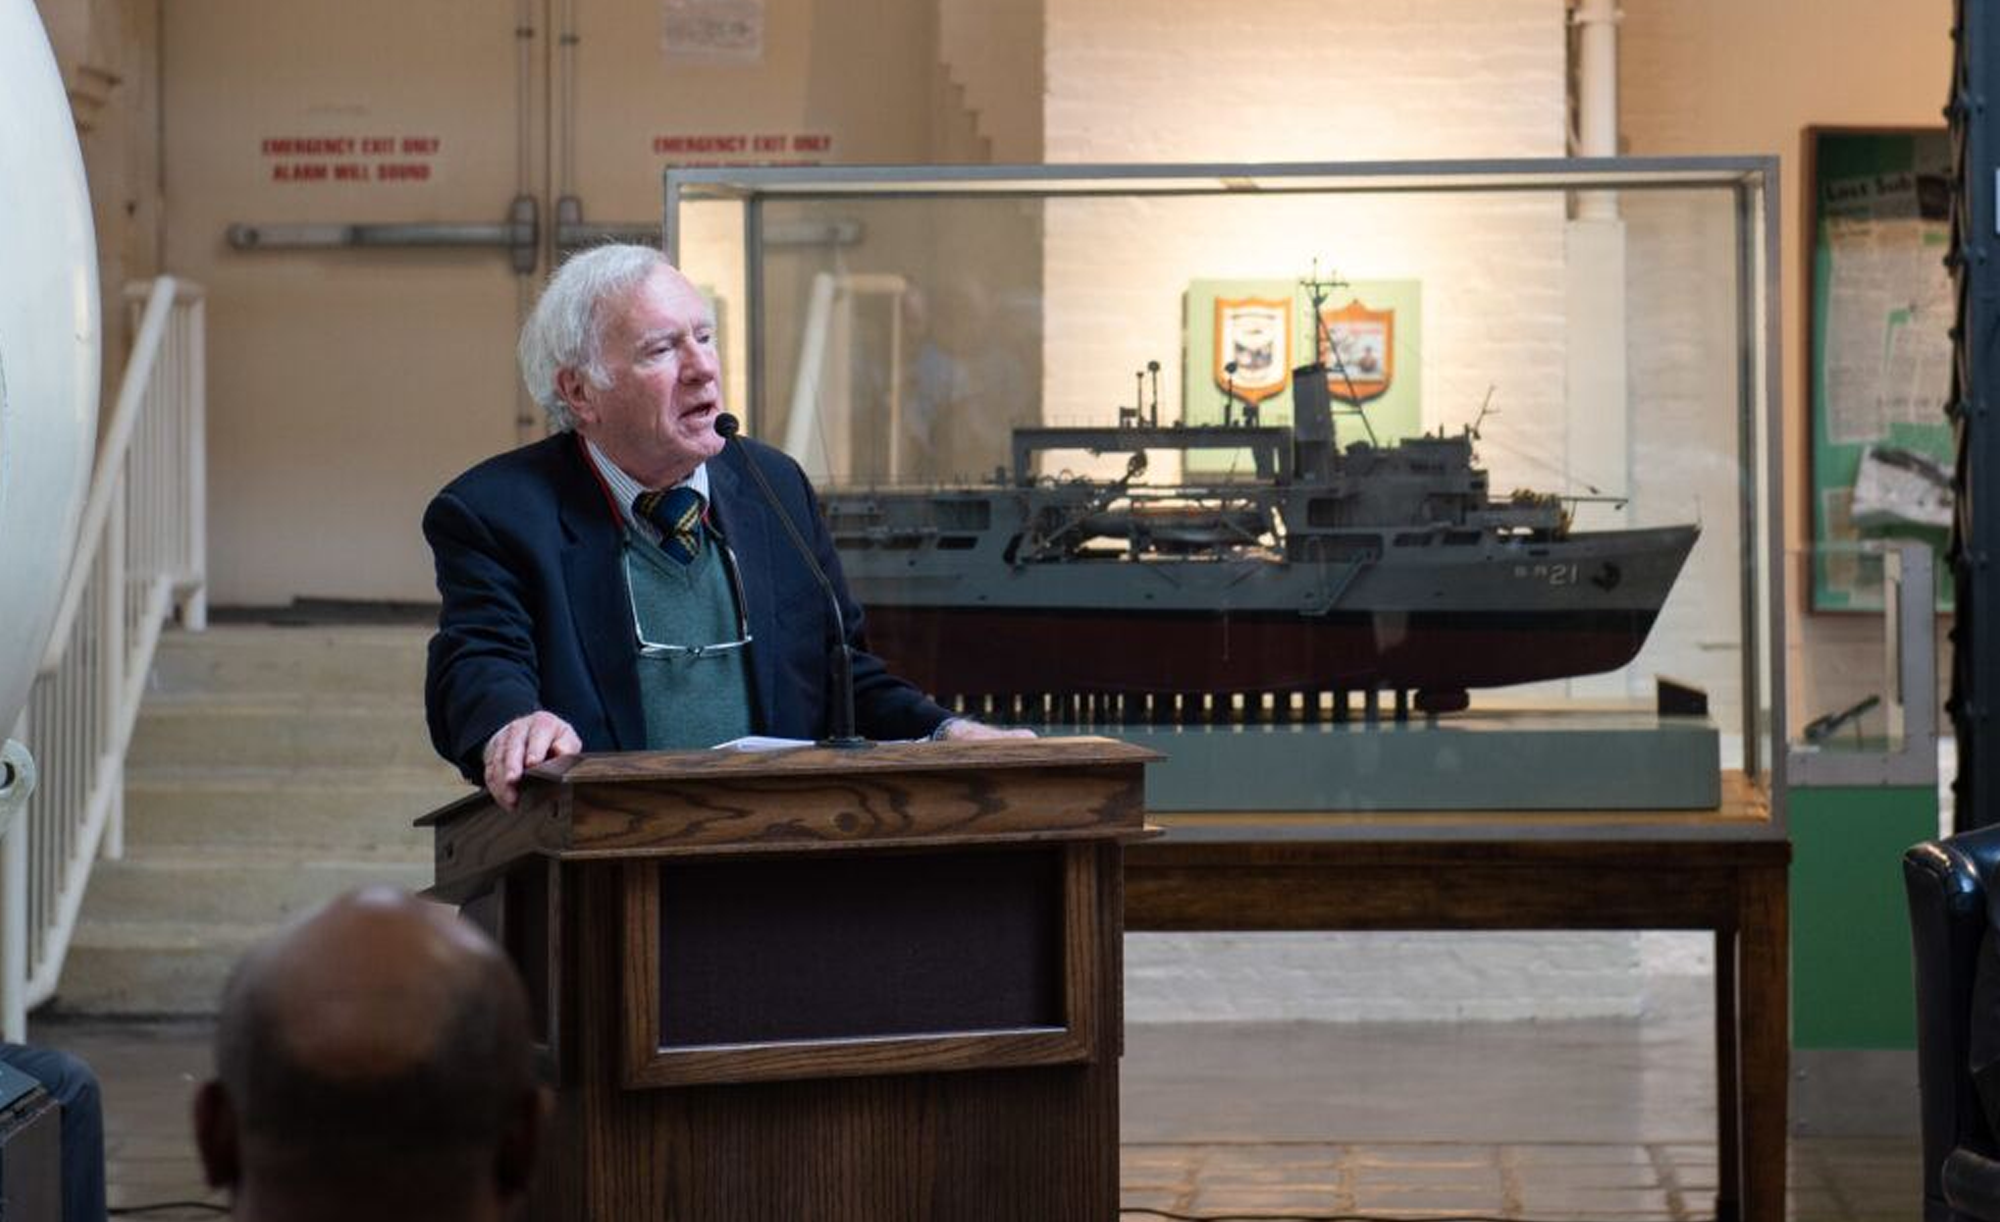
(624, 584)
(372, 1061)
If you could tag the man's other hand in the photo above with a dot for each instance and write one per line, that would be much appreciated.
(965, 729)
(520, 745)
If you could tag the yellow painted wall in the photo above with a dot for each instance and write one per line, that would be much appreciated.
(994, 51)
(107, 54)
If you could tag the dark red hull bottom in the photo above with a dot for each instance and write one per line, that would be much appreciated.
(964, 652)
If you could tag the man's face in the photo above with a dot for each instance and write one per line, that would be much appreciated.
(655, 413)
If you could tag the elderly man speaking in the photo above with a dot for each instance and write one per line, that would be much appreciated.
(622, 584)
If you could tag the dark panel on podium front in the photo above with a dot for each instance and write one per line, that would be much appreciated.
(840, 946)
(971, 1144)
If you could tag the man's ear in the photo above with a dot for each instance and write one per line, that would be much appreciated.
(576, 391)
(215, 1135)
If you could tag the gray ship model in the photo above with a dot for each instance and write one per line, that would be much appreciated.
(1370, 569)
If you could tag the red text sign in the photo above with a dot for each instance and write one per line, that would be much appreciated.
(744, 148)
(350, 158)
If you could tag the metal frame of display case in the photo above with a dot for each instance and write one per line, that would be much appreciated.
(1753, 182)
(1909, 678)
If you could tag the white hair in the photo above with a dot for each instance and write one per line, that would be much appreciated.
(567, 327)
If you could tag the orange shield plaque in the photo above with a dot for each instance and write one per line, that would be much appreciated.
(1364, 341)
(1255, 335)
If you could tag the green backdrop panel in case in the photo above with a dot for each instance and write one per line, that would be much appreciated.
(1395, 413)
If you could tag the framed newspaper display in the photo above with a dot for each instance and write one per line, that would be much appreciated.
(1878, 354)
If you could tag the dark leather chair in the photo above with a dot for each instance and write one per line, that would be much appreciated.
(1953, 886)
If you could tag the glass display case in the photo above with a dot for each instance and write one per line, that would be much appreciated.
(1872, 721)
(1388, 487)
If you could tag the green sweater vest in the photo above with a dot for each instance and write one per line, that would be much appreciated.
(690, 702)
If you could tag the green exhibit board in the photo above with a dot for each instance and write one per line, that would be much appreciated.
(1880, 356)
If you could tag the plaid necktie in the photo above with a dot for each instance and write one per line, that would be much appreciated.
(676, 514)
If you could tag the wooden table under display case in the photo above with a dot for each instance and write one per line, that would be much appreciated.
(1720, 871)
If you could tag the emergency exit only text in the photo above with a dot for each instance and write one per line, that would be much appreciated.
(353, 159)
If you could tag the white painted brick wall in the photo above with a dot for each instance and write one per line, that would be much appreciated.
(1134, 81)
(1681, 317)
(1147, 80)
(1140, 80)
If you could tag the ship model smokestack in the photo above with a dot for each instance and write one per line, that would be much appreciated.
(1313, 447)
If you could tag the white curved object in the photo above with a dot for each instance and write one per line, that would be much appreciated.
(48, 346)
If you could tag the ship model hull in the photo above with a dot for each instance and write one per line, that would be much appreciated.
(1377, 568)
(1269, 628)
(976, 653)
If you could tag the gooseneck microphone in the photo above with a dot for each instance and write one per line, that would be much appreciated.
(841, 657)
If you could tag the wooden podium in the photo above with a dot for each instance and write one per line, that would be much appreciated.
(874, 985)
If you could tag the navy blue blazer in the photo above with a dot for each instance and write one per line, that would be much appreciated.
(536, 614)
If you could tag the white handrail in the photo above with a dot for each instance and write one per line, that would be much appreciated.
(140, 560)
(115, 444)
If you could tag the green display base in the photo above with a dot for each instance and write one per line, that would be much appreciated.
(1483, 761)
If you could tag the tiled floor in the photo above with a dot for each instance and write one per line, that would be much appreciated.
(1408, 1178)
(149, 1072)
(1585, 1121)
(1565, 1122)
(1851, 1179)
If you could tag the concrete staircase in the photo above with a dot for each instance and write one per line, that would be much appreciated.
(272, 768)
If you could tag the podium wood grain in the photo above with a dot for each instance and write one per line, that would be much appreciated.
(977, 1145)
(974, 1125)
(651, 804)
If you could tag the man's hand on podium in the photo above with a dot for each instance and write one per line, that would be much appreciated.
(520, 745)
(965, 729)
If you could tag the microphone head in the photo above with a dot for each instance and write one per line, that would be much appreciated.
(726, 426)
(1152, 367)
(1230, 367)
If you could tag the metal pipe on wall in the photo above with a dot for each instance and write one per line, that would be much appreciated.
(1596, 84)
(527, 417)
(1597, 444)
(568, 37)
(1596, 77)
